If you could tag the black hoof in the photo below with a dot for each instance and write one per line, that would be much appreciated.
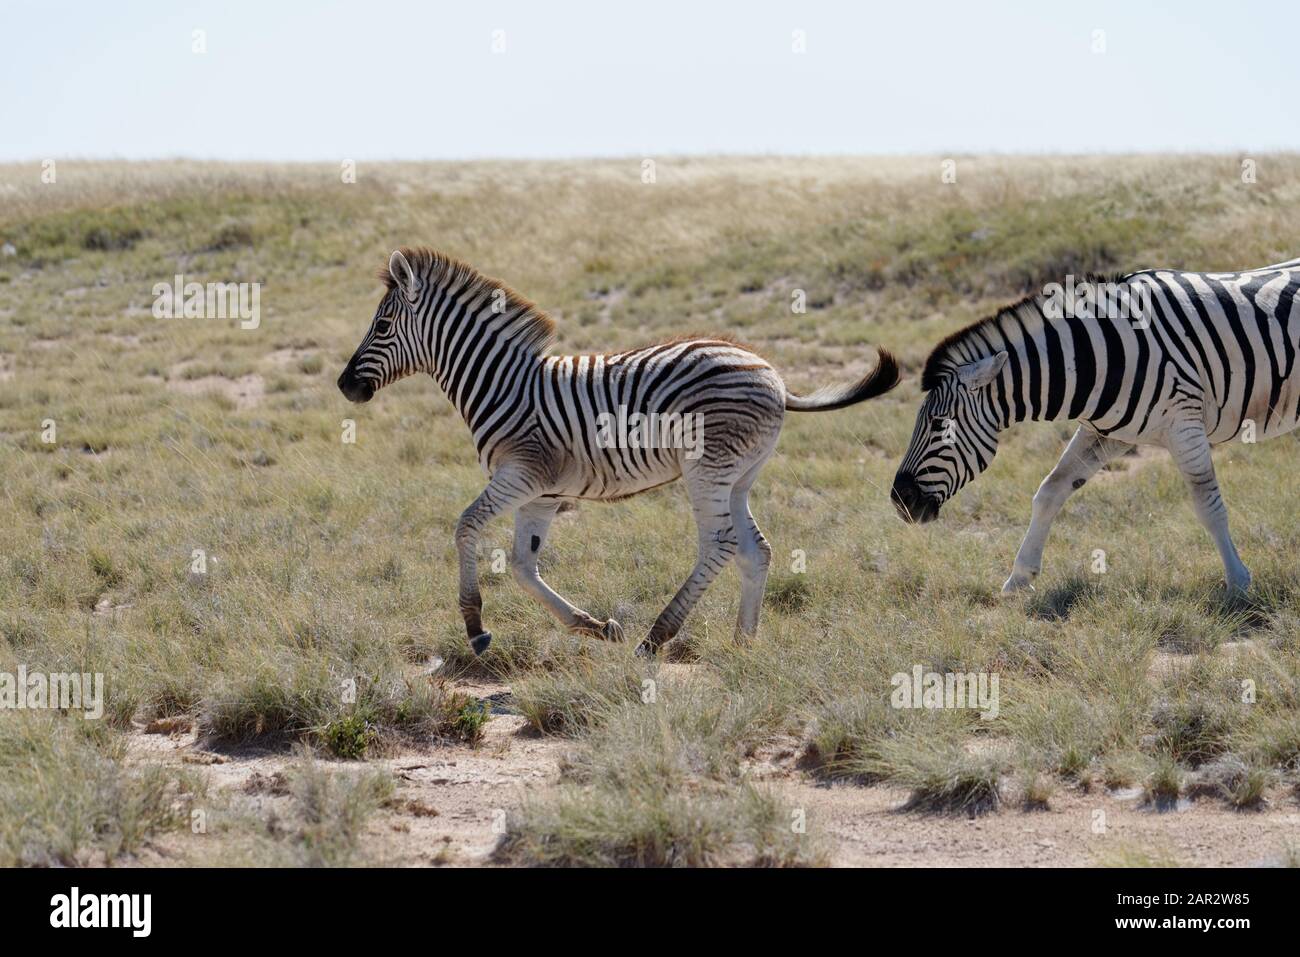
(645, 650)
(480, 642)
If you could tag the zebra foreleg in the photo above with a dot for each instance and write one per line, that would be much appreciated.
(1191, 451)
(532, 521)
(1083, 457)
(503, 493)
(717, 546)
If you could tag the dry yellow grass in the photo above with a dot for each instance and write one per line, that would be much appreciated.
(330, 562)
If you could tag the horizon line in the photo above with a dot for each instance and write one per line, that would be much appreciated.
(640, 156)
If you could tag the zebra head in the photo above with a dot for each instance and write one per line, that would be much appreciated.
(955, 438)
(392, 347)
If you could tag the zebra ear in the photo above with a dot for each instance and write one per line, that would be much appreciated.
(402, 273)
(978, 374)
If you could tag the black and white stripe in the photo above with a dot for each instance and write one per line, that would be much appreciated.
(536, 420)
(1213, 354)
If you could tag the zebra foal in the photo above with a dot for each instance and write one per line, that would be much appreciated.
(1180, 360)
(549, 428)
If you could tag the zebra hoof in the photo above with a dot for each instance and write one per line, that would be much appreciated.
(612, 631)
(1238, 585)
(480, 643)
(645, 650)
(1017, 584)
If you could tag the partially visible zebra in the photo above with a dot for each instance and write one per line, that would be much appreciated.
(543, 426)
(1210, 355)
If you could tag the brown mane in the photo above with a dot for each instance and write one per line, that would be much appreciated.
(532, 327)
(942, 357)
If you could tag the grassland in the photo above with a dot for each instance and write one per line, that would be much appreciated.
(316, 657)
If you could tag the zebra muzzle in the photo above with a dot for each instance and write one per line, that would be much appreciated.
(913, 505)
(355, 388)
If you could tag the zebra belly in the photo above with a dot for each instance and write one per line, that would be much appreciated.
(1258, 421)
(620, 473)
(1263, 416)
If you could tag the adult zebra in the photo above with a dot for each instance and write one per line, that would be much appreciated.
(1206, 356)
(549, 428)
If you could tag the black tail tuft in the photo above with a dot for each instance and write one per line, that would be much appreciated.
(877, 382)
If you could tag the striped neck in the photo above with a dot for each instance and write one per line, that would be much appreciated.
(475, 335)
(1056, 366)
(484, 358)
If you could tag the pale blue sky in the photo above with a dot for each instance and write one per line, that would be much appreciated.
(294, 80)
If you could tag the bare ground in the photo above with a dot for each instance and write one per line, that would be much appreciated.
(869, 828)
(245, 392)
(451, 803)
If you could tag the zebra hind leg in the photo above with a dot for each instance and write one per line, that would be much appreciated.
(1191, 451)
(753, 557)
(532, 522)
(710, 495)
(1083, 457)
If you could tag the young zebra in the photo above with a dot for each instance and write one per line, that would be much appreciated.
(1210, 354)
(549, 428)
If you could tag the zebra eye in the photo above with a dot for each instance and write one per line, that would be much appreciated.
(382, 327)
(938, 424)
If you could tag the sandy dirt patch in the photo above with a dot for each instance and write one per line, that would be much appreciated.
(867, 827)
(246, 392)
(452, 801)
(290, 357)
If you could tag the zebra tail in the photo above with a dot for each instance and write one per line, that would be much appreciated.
(876, 382)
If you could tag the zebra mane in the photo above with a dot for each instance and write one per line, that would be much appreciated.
(530, 328)
(948, 354)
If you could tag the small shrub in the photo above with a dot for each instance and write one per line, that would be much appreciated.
(1164, 783)
(231, 236)
(349, 737)
(1036, 790)
(604, 828)
(470, 720)
(1239, 784)
(111, 237)
(1248, 792)
(943, 775)
(1123, 769)
(845, 735)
